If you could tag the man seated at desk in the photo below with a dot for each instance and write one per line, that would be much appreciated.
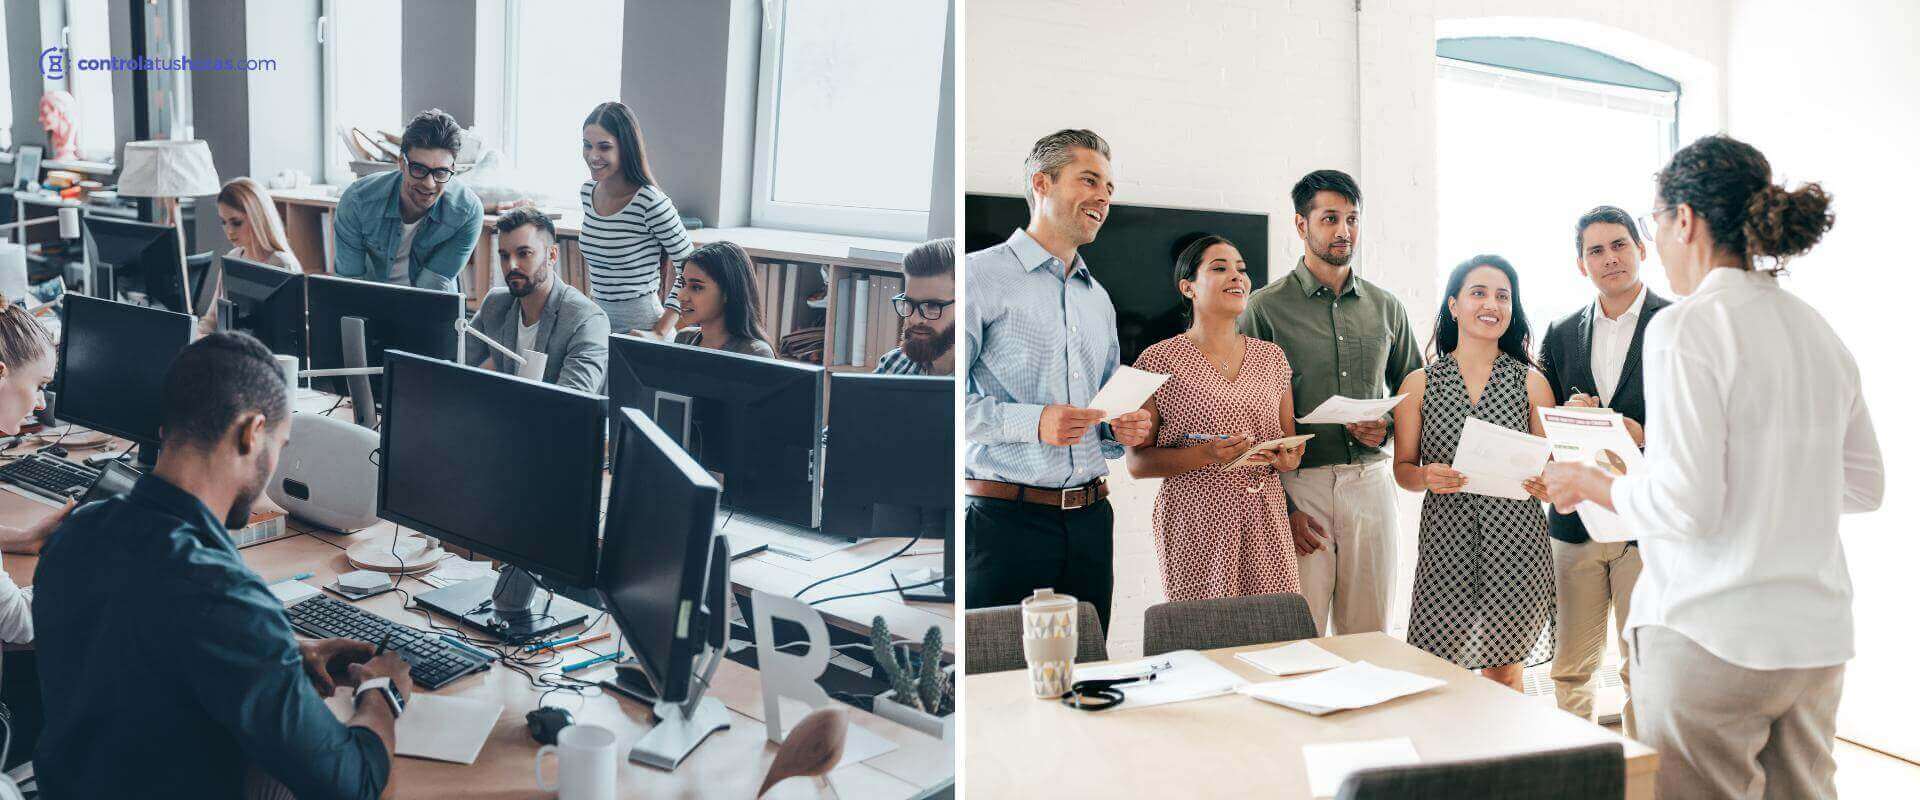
(538, 312)
(926, 345)
(169, 668)
(416, 225)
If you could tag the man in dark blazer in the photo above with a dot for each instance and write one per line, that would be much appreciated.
(1592, 358)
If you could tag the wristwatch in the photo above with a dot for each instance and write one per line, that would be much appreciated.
(383, 685)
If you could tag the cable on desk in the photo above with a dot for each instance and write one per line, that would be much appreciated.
(895, 554)
(879, 591)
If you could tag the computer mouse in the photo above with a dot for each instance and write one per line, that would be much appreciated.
(54, 450)
(544, 723)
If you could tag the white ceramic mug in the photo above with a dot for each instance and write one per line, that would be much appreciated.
(588, 763)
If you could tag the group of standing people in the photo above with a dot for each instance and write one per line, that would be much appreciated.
(1741, 588)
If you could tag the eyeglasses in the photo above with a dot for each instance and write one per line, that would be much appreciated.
(929, 309)
(440, 174)
(1648, 219)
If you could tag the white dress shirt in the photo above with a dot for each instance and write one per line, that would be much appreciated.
(1758, 439)
(1611, 340)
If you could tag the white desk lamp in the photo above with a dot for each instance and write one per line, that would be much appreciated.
(167, 170)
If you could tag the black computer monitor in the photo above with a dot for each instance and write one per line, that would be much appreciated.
(658, 551)
(507, 467)
(419, 321)
(754, 422)
(203, 282)
(266, 301)
(889, 459)
(137, 262)
(113, 363)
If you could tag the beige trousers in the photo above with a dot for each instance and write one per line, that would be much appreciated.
(1350, 583)
(1725, 731)
(1589, 580)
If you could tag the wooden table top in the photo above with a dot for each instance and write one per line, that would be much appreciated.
(1236, 746)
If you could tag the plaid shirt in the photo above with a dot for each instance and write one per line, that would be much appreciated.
(896, 362)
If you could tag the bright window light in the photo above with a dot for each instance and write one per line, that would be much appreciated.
(548, 105)
(363, 81)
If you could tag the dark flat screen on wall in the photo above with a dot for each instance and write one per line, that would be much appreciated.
(1133, 256)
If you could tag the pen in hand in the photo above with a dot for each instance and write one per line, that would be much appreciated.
(383, 643)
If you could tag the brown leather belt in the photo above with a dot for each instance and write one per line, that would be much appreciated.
(1069, 499)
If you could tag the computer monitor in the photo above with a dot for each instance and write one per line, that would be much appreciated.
(203, 282)
(754, 422)
(137, 262)
(663, 575)
(377, 317)
(26, 166)
(113, 363)
(889, 459)
(266, 301)
(503, 466)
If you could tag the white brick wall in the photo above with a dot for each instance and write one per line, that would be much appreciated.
(1223, 104)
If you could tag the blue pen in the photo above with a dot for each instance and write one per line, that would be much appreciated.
(554, 643)
(580, 665)
(301, 577)
(1207, 437)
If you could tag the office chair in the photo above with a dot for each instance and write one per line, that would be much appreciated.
(994, 639)
(1226, 622)
(1593, 772)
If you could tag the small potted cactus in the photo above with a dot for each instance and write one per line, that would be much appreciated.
(922, 693)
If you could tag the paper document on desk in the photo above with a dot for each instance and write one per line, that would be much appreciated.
(1496, 459)
(1292, 659)
(1356, 685)
(434, 727)
(1180, 676)
(1269, 446)
(1598, 437)
(1328, 765)
(1338, 410)
(1126, 391)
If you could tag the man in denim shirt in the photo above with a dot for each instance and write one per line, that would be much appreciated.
(414, 226)
(168, 669)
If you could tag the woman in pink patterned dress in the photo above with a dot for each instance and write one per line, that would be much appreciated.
(1219, 532)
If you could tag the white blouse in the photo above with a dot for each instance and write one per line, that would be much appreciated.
(1758, 439)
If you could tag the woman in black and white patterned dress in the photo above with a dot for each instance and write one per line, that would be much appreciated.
(1483, 591)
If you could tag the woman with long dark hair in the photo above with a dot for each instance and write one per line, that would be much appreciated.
(1219, 532)
(631, 235)
(1758, 439)
(1483, 590)
(720, 303)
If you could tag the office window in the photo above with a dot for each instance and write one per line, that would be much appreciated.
(6, 89)
(87, 37)
(361, 52)
(562, 59)
(1523, 154)
(849, 101)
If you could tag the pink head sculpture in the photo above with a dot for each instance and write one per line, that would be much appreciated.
(58, 117)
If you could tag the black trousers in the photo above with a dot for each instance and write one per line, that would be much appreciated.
(1014, 548)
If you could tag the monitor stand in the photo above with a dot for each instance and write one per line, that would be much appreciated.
(509, 606)
(353, 353)
(680, 727)
(935, 524)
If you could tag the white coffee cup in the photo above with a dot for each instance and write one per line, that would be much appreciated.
(587, 763)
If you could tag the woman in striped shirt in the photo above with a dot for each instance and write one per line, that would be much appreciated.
(632, 234)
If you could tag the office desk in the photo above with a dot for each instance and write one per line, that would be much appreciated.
(1236, 746)
(729, 764)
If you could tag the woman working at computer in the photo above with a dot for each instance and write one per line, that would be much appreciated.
(246, 214)
(719, 305)
(26, 366)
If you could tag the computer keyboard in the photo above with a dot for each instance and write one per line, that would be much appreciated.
(746, 531)
(49, 476)
(435, 660)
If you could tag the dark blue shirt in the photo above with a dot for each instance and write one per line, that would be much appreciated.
(167, 668)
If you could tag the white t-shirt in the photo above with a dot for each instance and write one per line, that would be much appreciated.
(398, 274)
(528, 334)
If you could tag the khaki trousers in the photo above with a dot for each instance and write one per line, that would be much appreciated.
(1349, 584)
(1590, 579)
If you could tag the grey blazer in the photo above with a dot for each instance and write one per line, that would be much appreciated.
(573, 334)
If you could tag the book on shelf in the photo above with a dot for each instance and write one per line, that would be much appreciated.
(862, 300)
(843, 320)
(883, 324)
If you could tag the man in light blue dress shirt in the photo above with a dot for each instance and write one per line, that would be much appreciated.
(1041, 342)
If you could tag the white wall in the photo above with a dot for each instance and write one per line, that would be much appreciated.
(1223, 104)
(1828, 93)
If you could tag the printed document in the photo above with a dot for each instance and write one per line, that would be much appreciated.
(1339, 410)
(1597, 437)
(1496, 459)
(1126, 391)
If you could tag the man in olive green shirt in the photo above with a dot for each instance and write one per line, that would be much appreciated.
(1342, 336)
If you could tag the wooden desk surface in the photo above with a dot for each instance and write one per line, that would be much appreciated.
(729, 764)
(1236, 746)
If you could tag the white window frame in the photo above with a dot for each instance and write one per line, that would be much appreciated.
(766, 212)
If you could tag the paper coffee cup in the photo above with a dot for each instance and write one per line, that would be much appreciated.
(1050, 634)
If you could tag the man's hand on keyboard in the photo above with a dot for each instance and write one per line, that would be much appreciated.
(28, 540)
(327, 661)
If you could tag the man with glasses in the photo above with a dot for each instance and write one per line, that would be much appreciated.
(926, 345)
(412, 226)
